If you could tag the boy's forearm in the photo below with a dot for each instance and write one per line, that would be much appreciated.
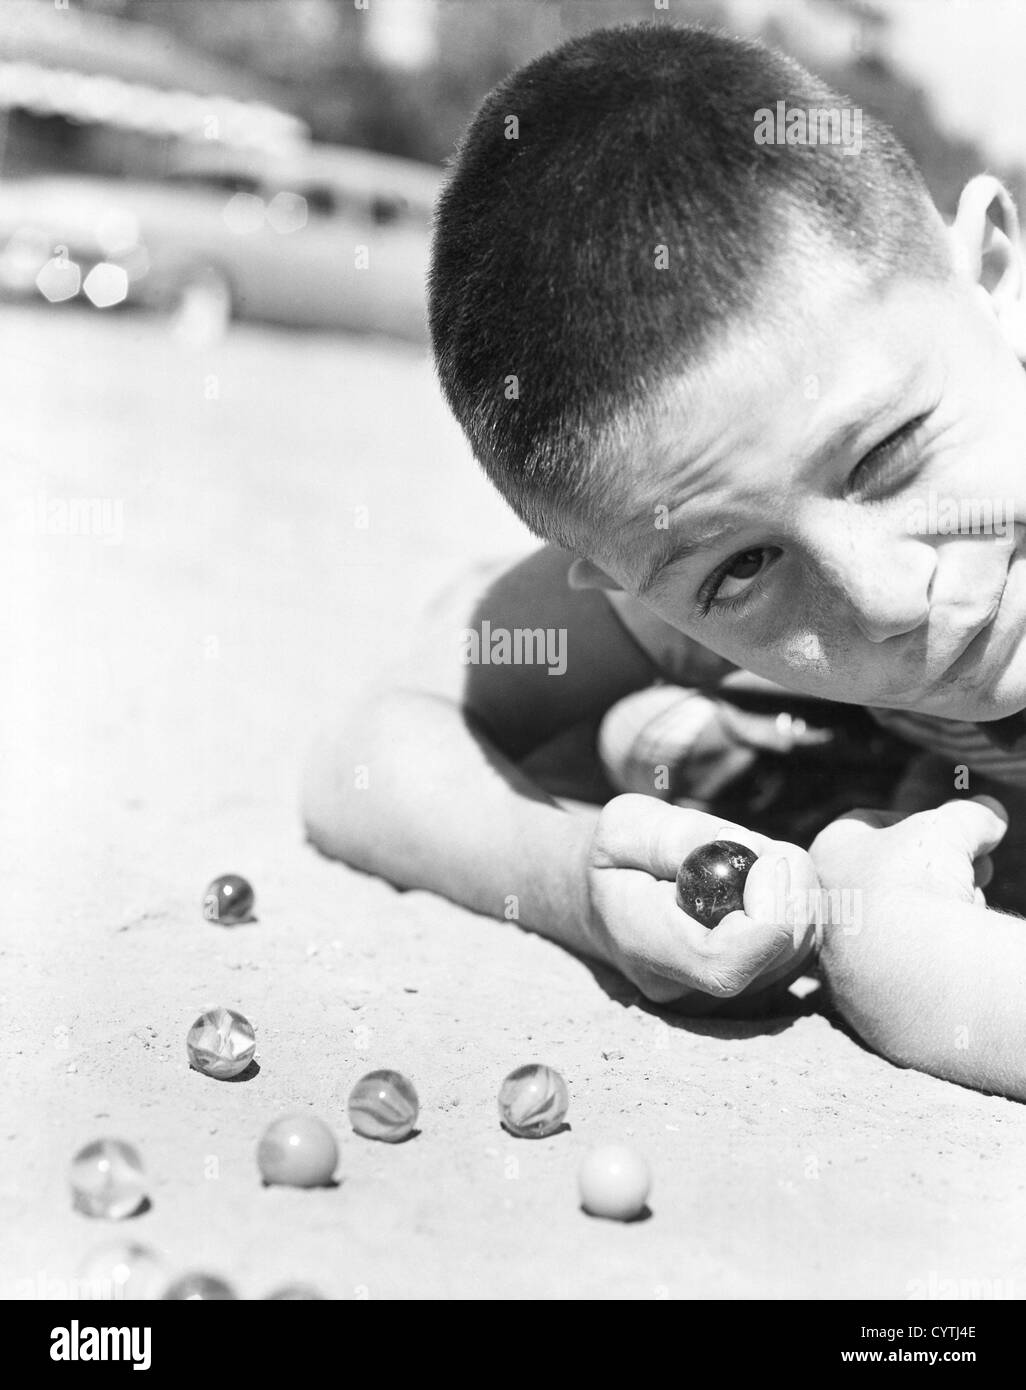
(936, 985)
(410, 791)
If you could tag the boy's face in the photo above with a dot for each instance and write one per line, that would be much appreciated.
(840, 506)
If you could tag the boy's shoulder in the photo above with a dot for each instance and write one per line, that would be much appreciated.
(536, 589)
(518, 647)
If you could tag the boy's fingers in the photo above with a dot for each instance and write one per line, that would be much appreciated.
(864, 818)
(719, 962)
(972, 827)
(783, 890)
(741, 948)
(983, 870)
(725, 831)
(639, 832)
(779, 733)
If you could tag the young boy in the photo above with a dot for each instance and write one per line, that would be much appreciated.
(733, 383)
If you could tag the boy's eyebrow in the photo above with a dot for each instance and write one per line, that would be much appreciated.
(674, 550)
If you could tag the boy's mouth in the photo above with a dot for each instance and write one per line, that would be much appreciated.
(978, 631)
(978, 638)
(982, 652)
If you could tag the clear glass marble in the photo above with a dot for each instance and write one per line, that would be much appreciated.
(533, 1101)
(221, 1043)
(383, 1105)
(107, 1180)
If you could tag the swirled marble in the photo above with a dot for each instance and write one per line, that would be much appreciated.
(383, 1105)
(533, 1101)
(221, 1043)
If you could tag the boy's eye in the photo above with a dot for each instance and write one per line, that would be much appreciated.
(883, 470)
(743, 567)
(887, 465)
(733, 578)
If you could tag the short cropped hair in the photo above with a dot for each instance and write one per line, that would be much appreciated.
(552, 326)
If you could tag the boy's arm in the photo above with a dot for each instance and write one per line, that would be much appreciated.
(922, 970)
(437, 733)
(443, 809)
(443, 806)
(939, 986)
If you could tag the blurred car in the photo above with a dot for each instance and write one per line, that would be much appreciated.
(315, 237)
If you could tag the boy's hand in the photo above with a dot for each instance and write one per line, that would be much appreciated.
(635, 923)
(944, 852)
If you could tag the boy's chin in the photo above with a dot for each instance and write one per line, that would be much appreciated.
(977, 707)
(980, 696)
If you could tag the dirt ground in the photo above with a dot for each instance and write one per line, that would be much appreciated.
(160, 688)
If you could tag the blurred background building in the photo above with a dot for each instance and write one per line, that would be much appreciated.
(239, 156)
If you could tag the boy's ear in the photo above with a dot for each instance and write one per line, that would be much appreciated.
(987, 247)
(582, 574)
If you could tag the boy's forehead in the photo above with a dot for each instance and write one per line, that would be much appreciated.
(847, 341)
(805, 377)
(836, 360)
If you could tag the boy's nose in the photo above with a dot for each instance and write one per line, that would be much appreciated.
(885, 589)
(882, 621)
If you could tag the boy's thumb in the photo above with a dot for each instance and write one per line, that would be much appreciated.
(974, 826)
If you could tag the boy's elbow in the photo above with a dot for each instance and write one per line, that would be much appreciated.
(321, 805)
(340, 814)
(334, 803)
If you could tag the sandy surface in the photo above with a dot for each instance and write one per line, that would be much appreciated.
(158, 695)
